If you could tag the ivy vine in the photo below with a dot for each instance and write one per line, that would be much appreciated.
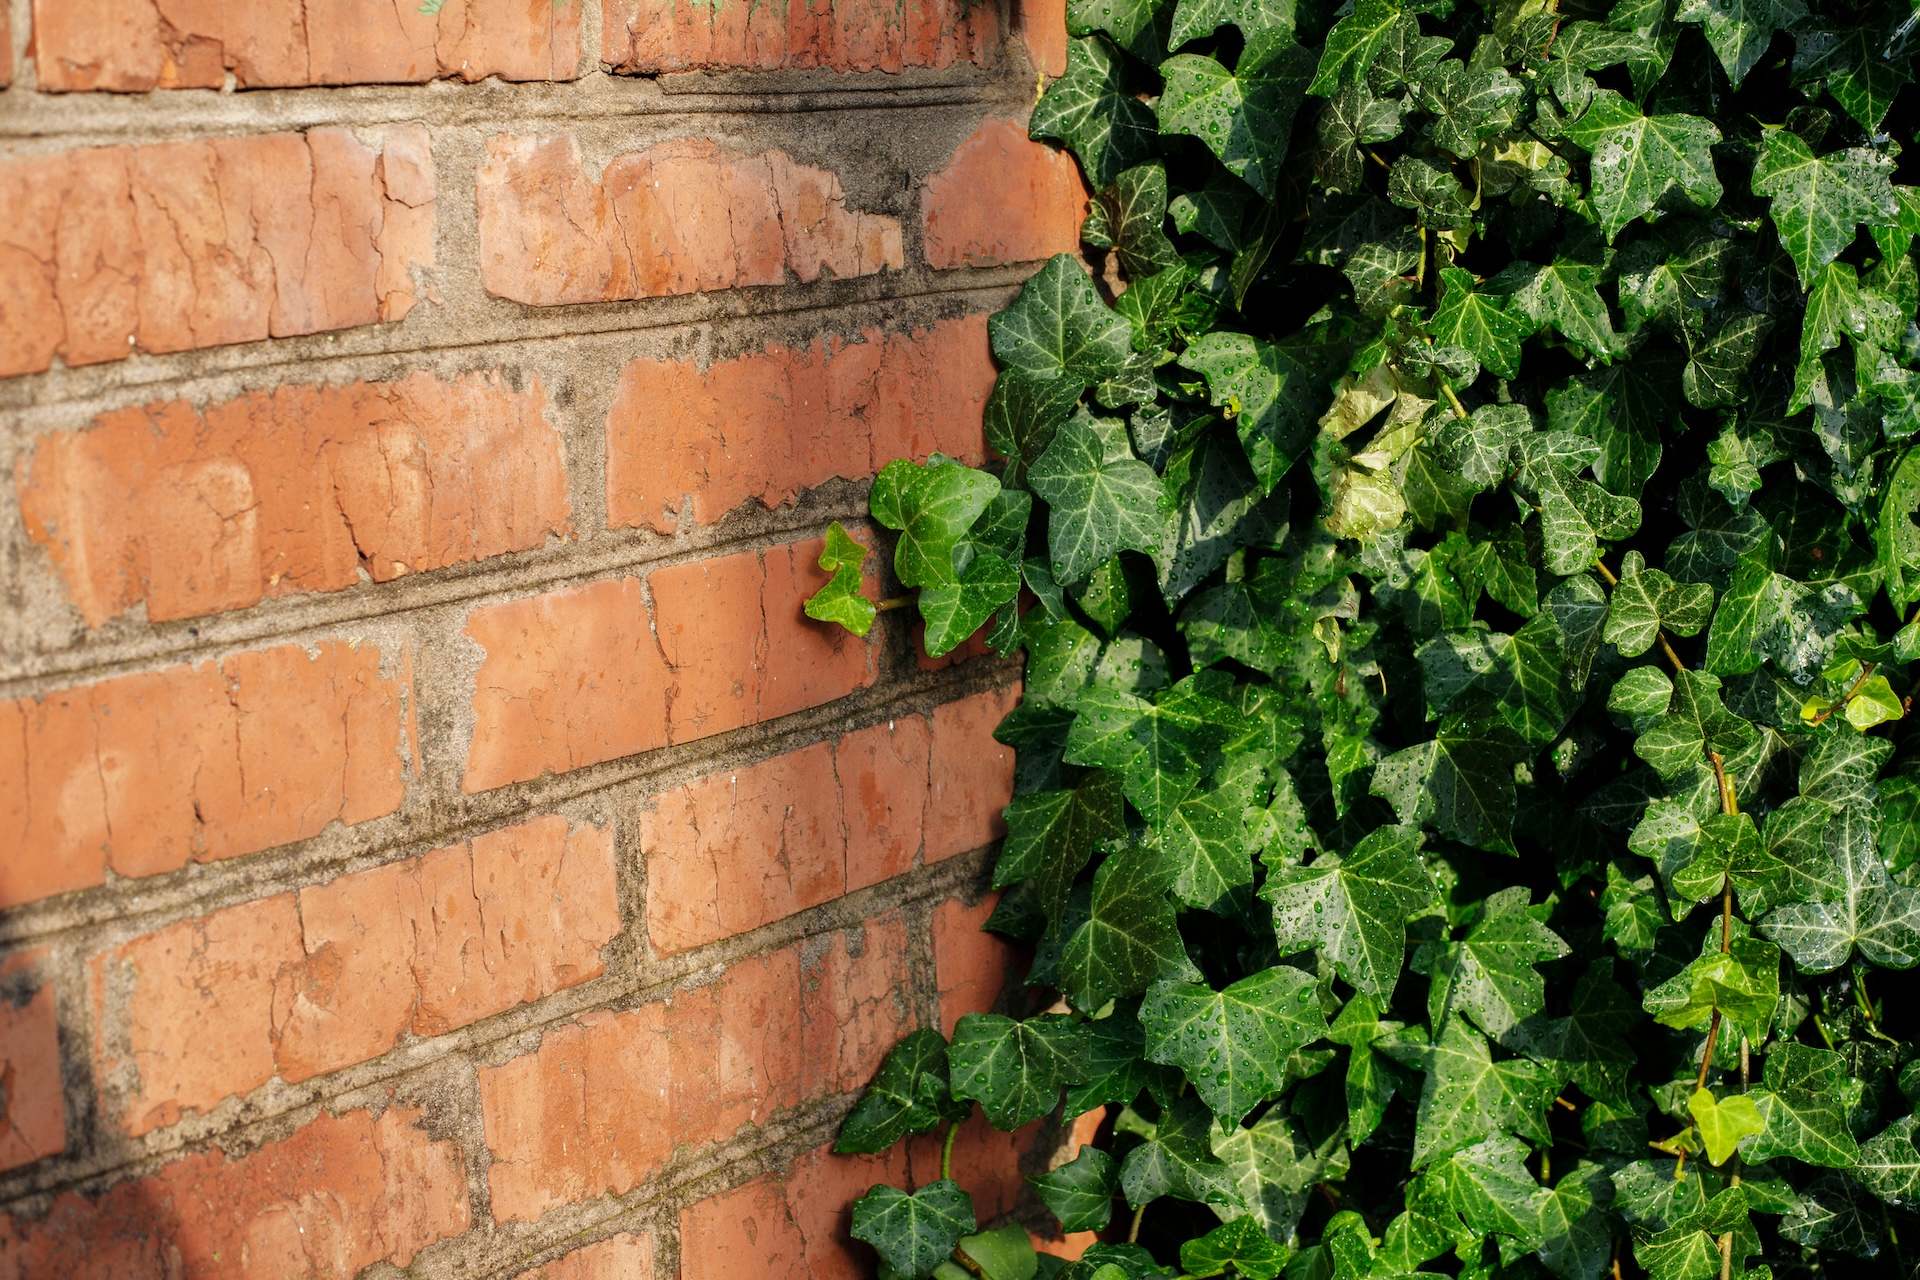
(1463, 544)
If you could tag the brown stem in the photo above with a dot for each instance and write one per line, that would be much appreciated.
(892, 602)
(1866, 671)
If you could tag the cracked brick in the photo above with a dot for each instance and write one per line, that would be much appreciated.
(651, 36)
(304, 488)
(787, 1224)
(686, 216)
(687, 445)
(177, 246)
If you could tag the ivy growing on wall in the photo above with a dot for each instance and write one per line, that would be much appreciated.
(1463, 544)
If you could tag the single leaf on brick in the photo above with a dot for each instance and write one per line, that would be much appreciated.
(932, 504)
(840, 599)
(913, 1233)
(908, 1094)
(1015, 1070)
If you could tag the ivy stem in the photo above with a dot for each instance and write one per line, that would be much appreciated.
(946, 1150)
(1729, 804)
(1453, 400)
(1866, 672)
(1133, 1228)
(892, 602)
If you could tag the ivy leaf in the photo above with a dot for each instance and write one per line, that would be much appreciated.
(1819, 202)
(1242, 1244)
(1233, 1044)
(1273, 1165)
(1080, 1192)
(1897, 534)
(1852, 62)
(1742, 982)
(1134, 25)
(1739, 31)
(1803, 1105)
(1790, 863)
(1354, 910)
(1245, 115)
(1575, 514)
(1469, 105)
(1889, 1163)
(1469, 1097)
(1159, 746)
(1270, 392)
(908, 1095)
(1205, 839)
(840, 599)
(1871, 914)
(1460, 780)
(1489, 1185)
(1058, 328)
(1129, 937)
(1647, 601)
(1490, 976)
(1351, 120)
(1022, 413)
(1116, 1066)
(1477, 322)
(1177, 1161)
(1431, 191)
(1639, 159)
(1015, 1070)
(1766, 615)
(1723, 1122)
(1193, 19)
(913, 1233)
(1576, 1236)
(1352, 44)
(1130, 217)
(1051, 835)
(953, 611)
(1100, 498)
(933, 505)
(1091, 110)
(1624, 409)
(1564, 295)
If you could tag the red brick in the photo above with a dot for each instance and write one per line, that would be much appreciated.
(589, 674)
(337, 1196)
(6, 46)
(1002, 198)
(687, 445)
(972, 779)
(437, 942)
(971, 966)
(686, 216)
(621, 1257)
(1043, 27)
(790, 1225)
(33, 1107)
(986, 1162)
(137, 45)
(143, 773)
(650, 36)
(305, 488)
(737, 850)
(294, 986)
(182, 245)
(602, 1103)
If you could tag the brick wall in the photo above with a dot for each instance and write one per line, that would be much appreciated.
(432, 839)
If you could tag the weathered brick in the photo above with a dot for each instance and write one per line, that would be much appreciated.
(137, 45)
(970, 965)
(305, 488)
(143, 773)
(337, 1196)
(787, 1225)
(6, 46)
(737, 850)
(649, 36)
(972, 779)
(686, 216)
(295, 985)
(687, 445)
(622, 1257)
(33, 1108)
(1043, 27)
(725, 644)
(603, 1102)
(1002, 198)
(181, 245)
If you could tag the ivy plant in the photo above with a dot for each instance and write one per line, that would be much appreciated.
(1462, 537)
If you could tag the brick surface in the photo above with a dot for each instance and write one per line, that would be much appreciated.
(972, 778)
(181, 245)
(33, 1109)
(337, 1196)
(970, 965)
(725, 644)
(737, 850)
(137, 45)
(1002, 198)
(294, 985)
(143, 773)
(791, 1226)
(686, 216)
(621, 1257)
(602, 1103)
(687, 445)
(650, 36)
(306, 488)
(1043, 28)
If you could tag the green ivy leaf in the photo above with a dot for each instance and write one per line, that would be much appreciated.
(1354, 910)
(1233, 1044)
(1100, 498)
(1080, 1192)
(1803, 1106)
(1890, 1163)
(1177, 1161)
(1268, 393)
(1639, 159)
(1739, 31)
(1014, 1070)
(1245, 115)
(1819, 201)
(1870, 914)
(1241, 1244)
(1742, 982)
(1129, 937)
(1490, 975)
(913, 1233)
(1470, 1097)
(908, 1095)
(1478, 322)
(840, 599)
(1137, 26)
(1058, 328)
(1091, 110)
(1723, 1122)
(1353, 43)
(933, 505)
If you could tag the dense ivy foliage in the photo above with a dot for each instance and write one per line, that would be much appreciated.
(1466, 799)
